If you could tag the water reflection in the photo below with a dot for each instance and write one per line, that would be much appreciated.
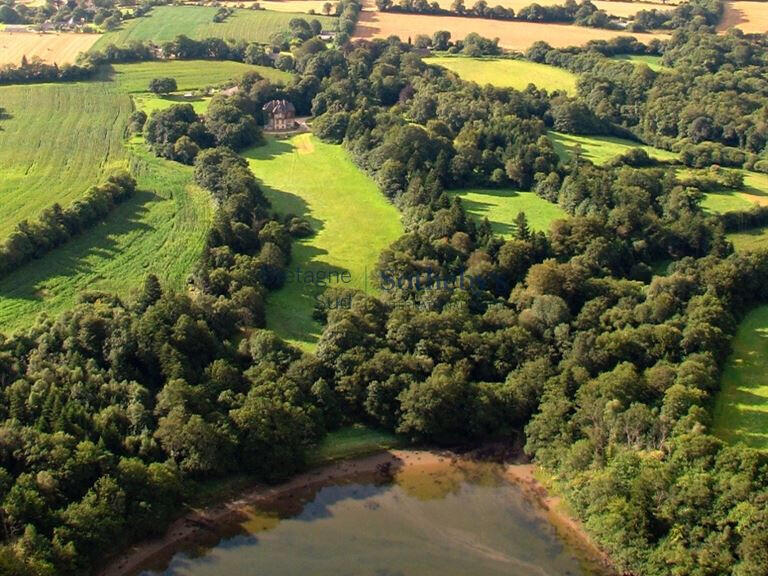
(436, 518)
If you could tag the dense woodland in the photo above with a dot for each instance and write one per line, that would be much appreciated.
(568, 337)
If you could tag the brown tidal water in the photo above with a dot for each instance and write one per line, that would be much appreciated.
(433, 519)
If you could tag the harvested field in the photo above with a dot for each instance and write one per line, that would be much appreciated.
(60, 48)
(512, 35)
(620, 9)
(751, 17)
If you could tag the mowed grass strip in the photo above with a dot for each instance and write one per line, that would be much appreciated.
(601, 149)
(57, 140)
(501, 207)
(160, 230)
(165, 23)
(741, 409)
(352, 220)
(507, 73)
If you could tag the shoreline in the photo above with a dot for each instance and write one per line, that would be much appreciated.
(194, 526)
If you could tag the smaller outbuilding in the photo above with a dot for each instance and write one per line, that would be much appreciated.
(280, 115)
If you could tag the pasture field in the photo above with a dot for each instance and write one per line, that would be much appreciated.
(58, 140)
(653, 62)
(502, 206)
(295, 5)
(741, 408)
(352, 220)
(601, 149)
(189, 74)
(729, 200)
(160, 230)
(749, 240)
(511, 34)
(164, 23)
(617, 8)
(751, 17)
(506, 73)
(60, 48)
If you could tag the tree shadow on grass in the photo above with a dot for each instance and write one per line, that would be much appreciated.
(271, 150)
(480, 209)
(72, 259)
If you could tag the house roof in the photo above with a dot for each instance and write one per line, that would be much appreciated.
(275, 106)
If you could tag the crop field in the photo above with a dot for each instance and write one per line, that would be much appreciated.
(164, 23)
(61, 48)
(58, 140)
(618, 8)
(502, 206)
(653, 62)
(751, 17)
(601, 149)
(741, 410)
(294, 5)
(511, 34)
(508, 73)
(352, 220)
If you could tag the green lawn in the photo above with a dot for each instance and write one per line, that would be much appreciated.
(352, 442)
(653, 62)
(741, 410)
(352, 219)
(502, 206)
(508, 73)
(601, 149)
(165, 23)
(58, 140)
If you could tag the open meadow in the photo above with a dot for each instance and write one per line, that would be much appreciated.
(164, 23)
(741, 410)
(54, 156)
(507, 73)
(502, 206)
(751, 17)
(755, 191)
(601, 149)
(59, 48)
(511, 34)
(57, 140)
(352, 220)
(653, 62)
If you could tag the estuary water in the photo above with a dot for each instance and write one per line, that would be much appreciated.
(437, 518)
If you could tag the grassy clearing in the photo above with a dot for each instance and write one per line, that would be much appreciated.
(749, 240)
(352, 220)
(653, 62)
(164, 23)
(61, 48)
(741, 410)
(517, 74)
(352, 442)
(59, 140)
(601, 149)
(729, 200)
(502, 206)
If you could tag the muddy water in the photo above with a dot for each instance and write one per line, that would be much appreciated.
(433, 519)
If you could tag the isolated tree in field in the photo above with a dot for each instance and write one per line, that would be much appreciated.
(162, 86)
(441, 39)
(327, 7)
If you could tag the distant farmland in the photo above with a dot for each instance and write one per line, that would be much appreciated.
(164, 23)
(508, 73)
(751, 17)
(511, 34)
(60, 48)
(618, 8)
